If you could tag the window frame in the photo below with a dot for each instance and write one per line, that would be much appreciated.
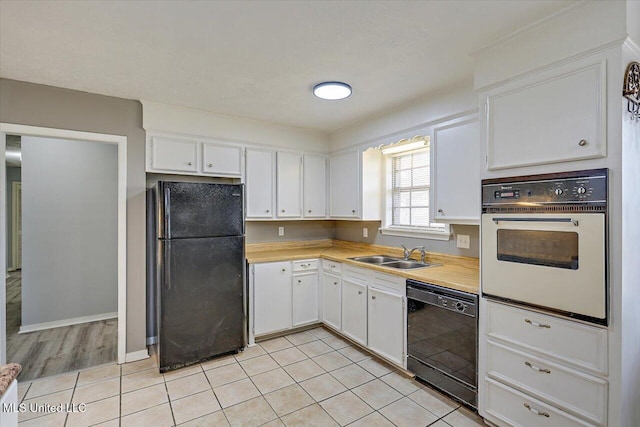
(387, 227)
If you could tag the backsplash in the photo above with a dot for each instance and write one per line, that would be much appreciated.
(352, 231)
(267, 231)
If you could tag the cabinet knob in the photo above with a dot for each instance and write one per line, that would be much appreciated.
(309, 210)
(359, 292)
(440, 211)
(267, 211)
(189, 163)
(299, 281)
(353, 211)
(335, 283)
(373, 297)
(284, 269)
(210, 165)
(582, 142)
(282, 210)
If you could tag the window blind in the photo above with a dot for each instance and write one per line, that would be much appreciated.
(410, 189)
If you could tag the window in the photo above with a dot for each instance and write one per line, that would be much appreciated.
(408, 187)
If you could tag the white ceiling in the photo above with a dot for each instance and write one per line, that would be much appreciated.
(257, 59)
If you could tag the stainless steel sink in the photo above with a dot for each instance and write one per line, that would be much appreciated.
(375, 259)
(391, 262)
(408, 264)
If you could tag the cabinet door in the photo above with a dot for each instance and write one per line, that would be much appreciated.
(314, 186)
(354, 311)
(289, 189)
(345, 180)
(174, 155)
(331, 300)
(305, 298)
(221, 160)
(555, 117)
(259, 180)
(386, 324)
(272, 297)
(456, 177)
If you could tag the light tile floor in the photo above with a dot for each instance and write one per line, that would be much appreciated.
(311, 378)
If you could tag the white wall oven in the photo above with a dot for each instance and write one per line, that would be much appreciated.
(544, 242)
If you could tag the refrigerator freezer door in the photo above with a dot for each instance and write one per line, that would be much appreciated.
(190, 209)
(201, 299)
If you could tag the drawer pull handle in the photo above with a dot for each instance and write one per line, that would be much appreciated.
(539, 325)
(535, 368)
(535, 411)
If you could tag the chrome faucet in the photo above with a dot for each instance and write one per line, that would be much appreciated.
(407, 252)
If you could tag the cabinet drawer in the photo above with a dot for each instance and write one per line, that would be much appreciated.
(396, 283)
(333, 266)
(309, 264)
(357, 274)
(567, 341)
(581, 394)
(518, 409)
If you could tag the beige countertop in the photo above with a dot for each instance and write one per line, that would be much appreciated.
(460, 273)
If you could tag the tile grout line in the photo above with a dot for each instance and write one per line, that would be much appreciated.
(215, 396)
(166, 389)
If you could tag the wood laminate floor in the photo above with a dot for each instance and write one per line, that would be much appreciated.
(54, 351)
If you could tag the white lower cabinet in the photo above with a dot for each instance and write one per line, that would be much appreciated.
(272, 297)
(354, 310)
(331, 299)
(513, 408)
(541, 370)
(386, 319)
(304, 291)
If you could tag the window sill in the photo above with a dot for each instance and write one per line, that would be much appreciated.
(419, 234)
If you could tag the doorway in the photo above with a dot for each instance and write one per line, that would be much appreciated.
(90, 328)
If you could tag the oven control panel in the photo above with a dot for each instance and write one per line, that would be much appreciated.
(582, 187)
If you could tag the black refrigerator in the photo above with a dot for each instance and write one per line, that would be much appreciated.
(200, 291)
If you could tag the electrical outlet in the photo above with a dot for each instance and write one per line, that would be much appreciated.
(463, 241)
(365, 232)
(281, 231)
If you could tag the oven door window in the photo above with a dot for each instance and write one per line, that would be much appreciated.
(557, 249)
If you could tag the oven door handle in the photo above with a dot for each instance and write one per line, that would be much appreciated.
(571, 220)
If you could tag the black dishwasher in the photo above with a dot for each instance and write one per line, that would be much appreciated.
(442, 339)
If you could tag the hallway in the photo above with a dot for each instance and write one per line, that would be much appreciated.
(58, 350)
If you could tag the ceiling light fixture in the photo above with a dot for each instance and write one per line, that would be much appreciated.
(332, 90)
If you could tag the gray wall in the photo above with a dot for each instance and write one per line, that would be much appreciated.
(352, 231)
(13, 175)
(69, 229)
(47, 106)
(258, 232)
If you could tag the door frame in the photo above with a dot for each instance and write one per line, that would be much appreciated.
(121, 142)
(16, 208)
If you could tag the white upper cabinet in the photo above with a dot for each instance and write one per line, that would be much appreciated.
(456, 172)
(551, 117)
(259, 180)
(289, 187)
(314, 186)
(355, 185)
(344, 178)
(221, 160)
(172, 155)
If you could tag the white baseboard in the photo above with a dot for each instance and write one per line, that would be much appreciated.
(136, 355)
(66, 322)
(152, 340)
